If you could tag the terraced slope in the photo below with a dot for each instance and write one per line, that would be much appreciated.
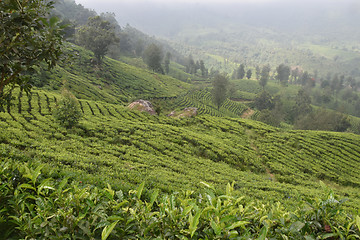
(113, 81)
(202, 100)
(115, 145)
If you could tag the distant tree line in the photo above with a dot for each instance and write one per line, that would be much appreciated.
(103, 35)
(299, 111)
(193, 67)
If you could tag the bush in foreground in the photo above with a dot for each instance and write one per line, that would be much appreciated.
(36, 207)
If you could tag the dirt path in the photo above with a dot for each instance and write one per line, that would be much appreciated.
(248, 113)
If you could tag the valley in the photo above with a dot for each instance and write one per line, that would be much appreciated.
(232, 149)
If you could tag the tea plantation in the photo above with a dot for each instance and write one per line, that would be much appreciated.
(115, 145)
(124, 174)
(116, 148)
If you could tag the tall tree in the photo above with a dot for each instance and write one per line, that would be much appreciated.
(302, 105)
(97, 35)
(153, 56)
(204, 71)
(305, 78)
(167, 62)
(258, 72)
(283, 74)
(125, 43)
(335, 82)
(241, 71)
(295, 73)
(265, 74)
(248, 74)
(190, 64)
(28, 38)
(139, 47)
(220, 85)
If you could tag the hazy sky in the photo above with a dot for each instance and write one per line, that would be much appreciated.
(96, 2)
(160, 16)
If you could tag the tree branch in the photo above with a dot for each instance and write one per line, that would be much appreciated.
(3, 82)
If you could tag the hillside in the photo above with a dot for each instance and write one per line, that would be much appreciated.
(113, 81)
(80, 160)
(224, 47)
(319, 36)
(124, 148)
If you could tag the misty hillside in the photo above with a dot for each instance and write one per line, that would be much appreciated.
(179, 120)
(334, 19)
(321, 35)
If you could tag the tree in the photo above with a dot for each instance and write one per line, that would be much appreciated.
(258, 73)
(167, 62)
(248, 74)
(204, 71)
(190, 64)
(302, 105)
(28, 38)
(220, 85)
(283, 74)
(125, 44)
(153, 56)
(263, 101)
(97, 36)
(240, 72)
(269, 117)
(325, 120)
(295, 73)
(67, 111)
(336, 84)
(139, 47)
(197, 66)
(265, 74)
(304, 78)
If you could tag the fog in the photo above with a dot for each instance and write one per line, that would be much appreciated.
(167, 18)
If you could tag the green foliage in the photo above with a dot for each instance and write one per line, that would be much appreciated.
(124, 148)
(76, 13)
(35, 206)
(269, 117)
(167, 62)
(240, 72)
(153, 56)
(67, 111)
(264, 101)
(325, 120)
(97, 35)
(28, 38)
(113, 81)
(220, 88)
(265, 74)
(248, 74)
(283, 74)
(302, 105)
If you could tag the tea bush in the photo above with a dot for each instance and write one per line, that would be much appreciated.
(34, 206)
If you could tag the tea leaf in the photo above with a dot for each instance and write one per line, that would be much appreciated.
(107, 230)
(139, 190)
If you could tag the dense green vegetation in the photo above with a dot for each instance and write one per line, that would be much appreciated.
(115, 145)
(70, 162)
(36, 206)
(113, 81)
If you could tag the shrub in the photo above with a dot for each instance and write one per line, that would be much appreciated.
(67, 111)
